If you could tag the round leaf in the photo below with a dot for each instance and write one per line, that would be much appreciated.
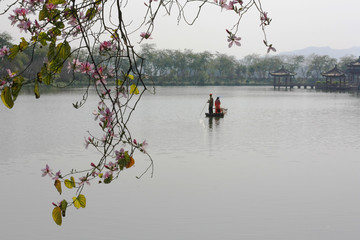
(56, 214)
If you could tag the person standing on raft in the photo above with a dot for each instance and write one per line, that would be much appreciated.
(211, 104)
(217, 105)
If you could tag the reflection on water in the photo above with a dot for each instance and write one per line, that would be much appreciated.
(280, 165)
(214, 120)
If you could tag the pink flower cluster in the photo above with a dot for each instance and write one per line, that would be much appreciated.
(229, 6)
(265, 20)
(47, 171)
(141, 146)
(88, 68)
(145, 35)
(233, 39)
(107, 46)
(20, 16)
(4, 51)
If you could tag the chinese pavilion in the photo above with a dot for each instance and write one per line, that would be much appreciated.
(283, 77)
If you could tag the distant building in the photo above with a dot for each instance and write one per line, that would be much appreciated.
(283, 78)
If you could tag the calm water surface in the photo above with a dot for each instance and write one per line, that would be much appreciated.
(281, 165)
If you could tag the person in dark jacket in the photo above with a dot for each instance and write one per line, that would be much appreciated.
(211, 104)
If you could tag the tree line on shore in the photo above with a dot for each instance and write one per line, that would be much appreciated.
(175, 67)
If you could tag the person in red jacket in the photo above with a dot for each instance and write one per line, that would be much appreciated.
(217, 105)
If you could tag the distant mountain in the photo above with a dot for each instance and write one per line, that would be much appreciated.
(335, 53)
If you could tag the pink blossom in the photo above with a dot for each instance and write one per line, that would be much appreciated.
(86, 67)
(11, 74)
(145, 35)
(106, 118)
(111, 166)
(223, 4)
(104, 137)
(233, 39)
(119, 154)
(24, 25)
(271, 48)
(231, 5)
(46, 171)
(106, 45)
(5, 51)
(12, 19)
(143, 145)
(73, 21)
(88, 141)
(265, 20)
(50, 6)
(57, 175)
(108, 174)
(75, 65)
(96, 114)
(84, 180)
(98, 74)
(102, 80)
(21, 12)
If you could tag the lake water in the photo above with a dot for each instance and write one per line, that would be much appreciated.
(281, 165)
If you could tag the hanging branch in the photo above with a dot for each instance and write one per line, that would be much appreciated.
(90, 38)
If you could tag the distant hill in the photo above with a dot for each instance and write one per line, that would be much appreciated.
(335, 53)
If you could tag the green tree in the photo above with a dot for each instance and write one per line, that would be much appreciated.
(319, 64)
(345, 61)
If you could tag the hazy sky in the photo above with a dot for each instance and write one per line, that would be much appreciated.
(295, 24)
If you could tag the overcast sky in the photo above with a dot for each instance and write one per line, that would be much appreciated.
(295, 24)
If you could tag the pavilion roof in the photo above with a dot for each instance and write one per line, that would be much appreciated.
(282, 73)
(334, 73)
(355, 64)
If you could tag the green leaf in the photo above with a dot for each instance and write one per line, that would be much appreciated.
(56, 66)
(14, 51)
(108, 179)
(119, 82)
(57, 2)
(45, 75)
(60, 25)
(51, 53)
(90, 13)
(43, 14)
(63, 207)
(129, 76)
(16, 87)
(36, 89)
(56, 214)
(63, 49)
(43, 37)
(79, 201)
(70, 183)
(23, 45)
(55, 31)
(57, 185)
(6, 97)
(134, 89)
